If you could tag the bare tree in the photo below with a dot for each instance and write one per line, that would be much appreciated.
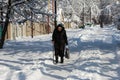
(81, 8)
(18, 11)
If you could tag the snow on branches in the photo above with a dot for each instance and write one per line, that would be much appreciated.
(22, 10)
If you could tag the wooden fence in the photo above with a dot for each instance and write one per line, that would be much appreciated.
(30, 29)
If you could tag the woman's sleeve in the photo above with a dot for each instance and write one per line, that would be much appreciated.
(53, 36)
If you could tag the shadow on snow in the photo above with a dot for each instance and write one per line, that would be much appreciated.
(78, 64)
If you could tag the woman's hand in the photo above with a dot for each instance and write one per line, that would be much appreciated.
(53, 42)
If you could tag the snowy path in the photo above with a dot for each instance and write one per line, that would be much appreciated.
(95, 55)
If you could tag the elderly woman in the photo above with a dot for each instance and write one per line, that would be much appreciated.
(59, 39)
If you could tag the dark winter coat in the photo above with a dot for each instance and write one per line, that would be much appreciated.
(60, 40)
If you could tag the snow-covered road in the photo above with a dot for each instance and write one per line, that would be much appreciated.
(94, 55)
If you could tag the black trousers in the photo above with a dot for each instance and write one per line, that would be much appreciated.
(59, 53)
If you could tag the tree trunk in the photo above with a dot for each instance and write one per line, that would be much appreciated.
(32, 29)
(90, 15)
(101, 21)
(6, 23)
(55, 21)
(101, 24)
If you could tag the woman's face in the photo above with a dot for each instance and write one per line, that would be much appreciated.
(59, 28)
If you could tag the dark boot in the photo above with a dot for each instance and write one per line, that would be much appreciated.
(56, 57)
(62, 60)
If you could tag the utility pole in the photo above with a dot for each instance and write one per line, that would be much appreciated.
(55, 20)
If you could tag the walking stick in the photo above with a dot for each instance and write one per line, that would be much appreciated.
(53, 54)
